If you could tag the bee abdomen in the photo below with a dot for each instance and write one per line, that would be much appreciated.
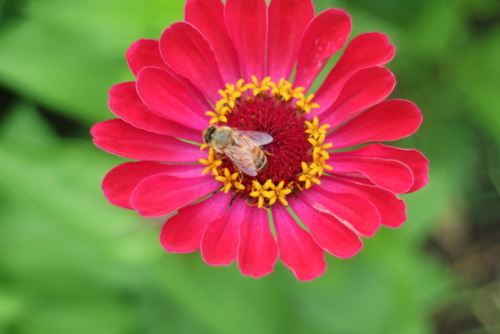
(260, 159)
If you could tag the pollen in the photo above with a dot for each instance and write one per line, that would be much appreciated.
(296, 158)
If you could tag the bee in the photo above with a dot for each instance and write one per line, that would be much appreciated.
(242, 147)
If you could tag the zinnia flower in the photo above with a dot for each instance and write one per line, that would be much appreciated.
(250, 66)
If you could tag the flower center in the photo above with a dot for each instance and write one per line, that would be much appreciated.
(297, 155)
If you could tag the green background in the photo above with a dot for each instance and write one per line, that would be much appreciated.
(72, 263)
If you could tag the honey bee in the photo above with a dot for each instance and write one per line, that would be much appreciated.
(242, 147)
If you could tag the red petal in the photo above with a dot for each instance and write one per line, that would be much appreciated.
(391, 209)
(159, 195)
(389, 174)
(219, 245)
(120, 138)
(183, 232)
(288, 20)
(208, 17)
(258, 251)
(324, 36)
(364, 89)
(126, 104)
(415, 160)
(351, 209)
(388, 120)
(327, 231)
(144, 53)
(247, 25)
(167, 97)
(365, 50)
(188, 53)
(120, 182)
(298, 251)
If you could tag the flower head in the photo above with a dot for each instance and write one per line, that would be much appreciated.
(319, 194)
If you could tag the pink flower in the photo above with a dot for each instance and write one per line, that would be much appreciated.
(231, 64)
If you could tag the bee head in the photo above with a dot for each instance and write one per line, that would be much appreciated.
(208, 134)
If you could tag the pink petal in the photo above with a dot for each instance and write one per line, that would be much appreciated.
(415, 160)
(288, 20)
(365, 50)
(352, 209)
(388, 120)
(327, 231)
(258, 251)
(159, 195)
(167, 97)
(298, 251)
(120, 182)
(183, 232)
(391, 209)
(324, 36)
(144, 53)
(219, 245)
(126, 104)
(188, 53)
(247, 25)
(389, 174)
(364, 89)
(208, 17)
(120, 138)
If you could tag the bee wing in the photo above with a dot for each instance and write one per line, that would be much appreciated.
(259, 138)
(242, 158)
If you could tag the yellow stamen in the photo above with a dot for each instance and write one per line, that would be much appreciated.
(319, 142)
(278, 192)
(304, 102)
(216, 117)
(309, 175)
(259, 87)
(230, 180)
(241, 86)
(222, 108)
(212, 163)
(229, 95)
(319, 153)
(320, 165)
(298, 92)
(282, 89)
(314, 130)
(259, 191)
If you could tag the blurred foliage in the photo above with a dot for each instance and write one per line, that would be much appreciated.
(72, 263)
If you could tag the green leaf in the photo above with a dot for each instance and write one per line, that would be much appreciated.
(67, 54)
(477, 76)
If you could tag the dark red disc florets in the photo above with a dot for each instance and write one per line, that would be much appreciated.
(285, 124)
